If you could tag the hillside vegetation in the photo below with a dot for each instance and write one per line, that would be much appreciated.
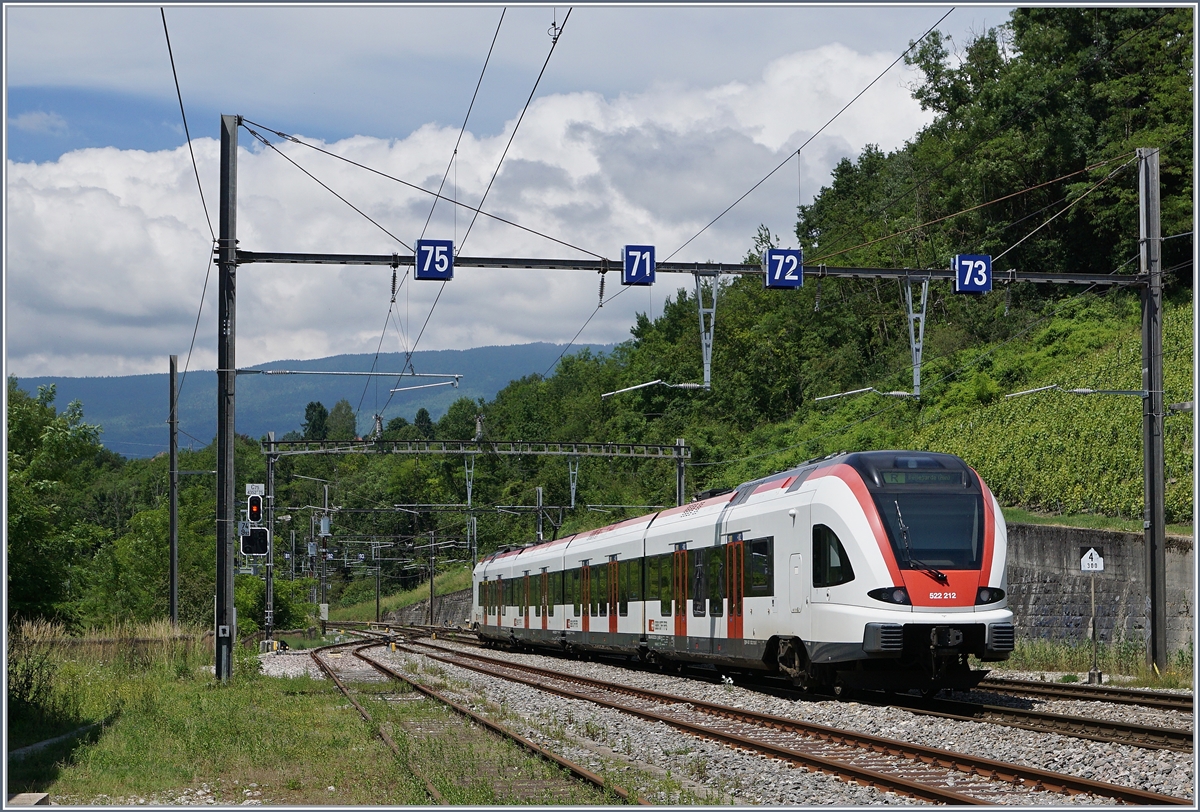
(1029, 159)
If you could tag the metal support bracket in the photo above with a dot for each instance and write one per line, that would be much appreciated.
(469, 465)
(916, 331)
(573, 469)
(706, 327)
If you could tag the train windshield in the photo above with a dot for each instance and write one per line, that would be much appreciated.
(934, 530)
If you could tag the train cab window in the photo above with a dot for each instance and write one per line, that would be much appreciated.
(699, 586)
(830, 564)
(715, 564)
(759, 574)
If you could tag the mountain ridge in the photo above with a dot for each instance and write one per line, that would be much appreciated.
(132, 410)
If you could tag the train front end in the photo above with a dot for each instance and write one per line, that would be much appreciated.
(935, 544)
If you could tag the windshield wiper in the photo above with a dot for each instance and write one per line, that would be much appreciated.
(936, 574)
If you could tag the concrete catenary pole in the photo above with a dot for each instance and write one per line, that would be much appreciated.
(1150, 242)
(226, 615)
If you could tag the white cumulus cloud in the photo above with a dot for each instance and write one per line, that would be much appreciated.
(107, 249)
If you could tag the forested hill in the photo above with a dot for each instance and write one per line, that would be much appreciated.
(1030, 159)
(131, 410)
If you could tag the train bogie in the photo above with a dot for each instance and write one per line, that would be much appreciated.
(876, 569)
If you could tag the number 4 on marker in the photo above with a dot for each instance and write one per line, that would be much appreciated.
(972, 273)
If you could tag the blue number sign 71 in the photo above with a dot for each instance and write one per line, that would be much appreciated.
(639, 265)
(972, 273)
(783, 268)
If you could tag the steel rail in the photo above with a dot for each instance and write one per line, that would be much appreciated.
(1101, 730)
(1101, 693)
(570, 766)
(383, 734)
(1010, 774)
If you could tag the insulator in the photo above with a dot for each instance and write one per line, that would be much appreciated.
(817, 303)
(601, 291)
(393, 283)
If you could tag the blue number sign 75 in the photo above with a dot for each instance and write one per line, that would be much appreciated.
(972, 273)
(435, 259)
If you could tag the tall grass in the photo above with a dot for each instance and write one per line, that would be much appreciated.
(58, 682)
(1127, 659)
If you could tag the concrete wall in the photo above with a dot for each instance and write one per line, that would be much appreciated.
(1051, 598)
(453, 609)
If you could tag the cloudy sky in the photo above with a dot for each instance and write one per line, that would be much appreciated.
(647, 123)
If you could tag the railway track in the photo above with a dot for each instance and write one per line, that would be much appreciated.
(1101, 693)
(1101, 730)
(322, 658)
(931, 774)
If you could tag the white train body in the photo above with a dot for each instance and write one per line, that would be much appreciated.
(870, 569)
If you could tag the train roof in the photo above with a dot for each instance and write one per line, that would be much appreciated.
(863, 461)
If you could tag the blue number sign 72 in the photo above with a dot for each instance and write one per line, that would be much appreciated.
(972, 273)
(783, 268)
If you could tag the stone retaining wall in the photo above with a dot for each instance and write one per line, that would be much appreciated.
(1051, 597)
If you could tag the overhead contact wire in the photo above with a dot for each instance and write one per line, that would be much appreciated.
(811, 137)
(203, 204)
(423, 190)
(441, 185)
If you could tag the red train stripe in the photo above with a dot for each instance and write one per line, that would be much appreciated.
(859, 488)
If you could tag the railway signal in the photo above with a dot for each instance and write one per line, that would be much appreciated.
(254, 508)
(256, 542)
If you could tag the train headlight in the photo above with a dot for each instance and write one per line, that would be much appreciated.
(988, 594)
(891, 594)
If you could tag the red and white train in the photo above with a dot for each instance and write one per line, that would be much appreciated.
(878, 569)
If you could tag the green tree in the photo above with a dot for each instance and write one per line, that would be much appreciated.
(315, 419)
(47, 451)
(424, 424)
(340, 425)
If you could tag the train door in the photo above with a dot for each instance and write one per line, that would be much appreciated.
(545, 592)
(679, 593)
(585, 574)
(525, 599)
(612, 595)
(735, 584)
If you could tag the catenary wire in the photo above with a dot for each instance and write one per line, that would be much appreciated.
(203, 204)
(423, 190)
(479, 208)
(581, 329)
(517, 126)
(811, 137)
(970, 209)
(263, 139)
(441, 185)
(953, 159)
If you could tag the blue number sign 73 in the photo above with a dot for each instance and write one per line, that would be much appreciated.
(972, 273)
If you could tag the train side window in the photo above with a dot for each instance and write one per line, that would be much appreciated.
(650, 573)
(830, 564)
(635, 579)
(715, 564)
(482, 599)
(664, 585)
(624, 571)
(535, 593)
(505, 594)
(573, 588)
(699, 592)
(600, 590)
(760, 575)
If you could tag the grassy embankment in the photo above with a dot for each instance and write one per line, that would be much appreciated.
(170, 731)
(453, 580)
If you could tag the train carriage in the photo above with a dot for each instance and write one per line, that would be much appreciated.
(871, 569)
